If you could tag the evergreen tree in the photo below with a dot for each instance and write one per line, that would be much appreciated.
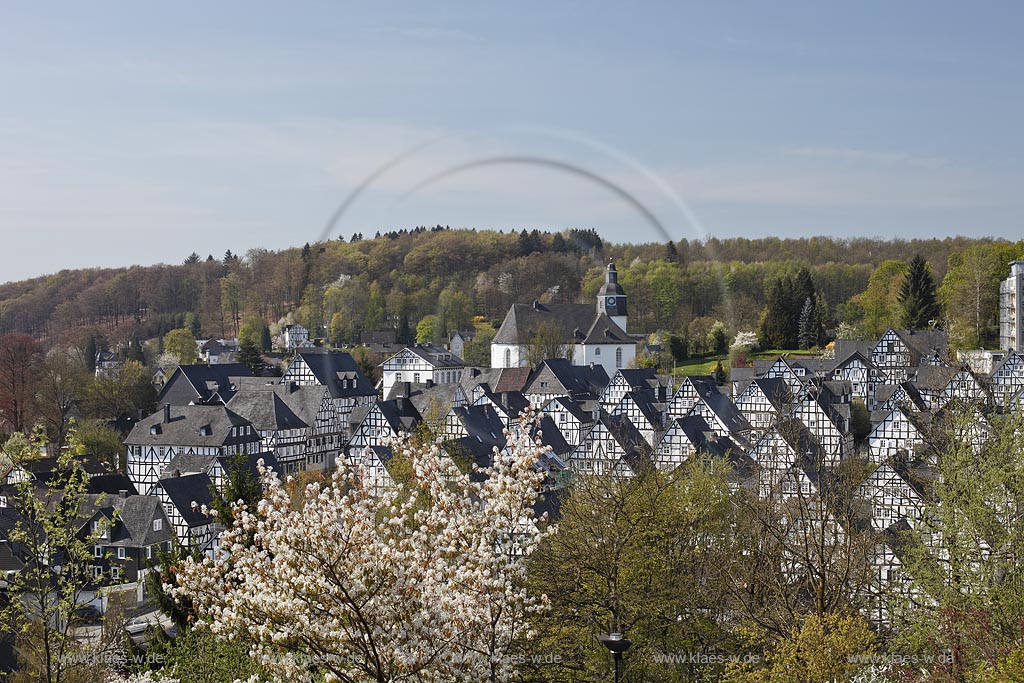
(193, 258)
(250, 355)
(671, 255)
(91, 349)
(720, 376)
(918, 302)
(808, 336)
(265, 342)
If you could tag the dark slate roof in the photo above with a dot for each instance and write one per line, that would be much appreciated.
(184, 427)
(605, 331)
(637, 450)
(483, 424)
(426, 397)
(646, 405)
(611, 286)
(279, 406)
(551, 436)
(575, 409)
(330, 367)
(933, 378)
(722, 406)
(209, 382)
(400, 413)
(251, 463)
(188, 463)
(923, 342)
(511, 402)
(522, 320)
(111, 484)
(574, 380)
(776, 390)
(797, 436)
(183, 491)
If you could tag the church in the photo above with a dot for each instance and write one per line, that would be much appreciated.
(587, 334)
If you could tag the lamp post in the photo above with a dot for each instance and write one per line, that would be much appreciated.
(616, 644)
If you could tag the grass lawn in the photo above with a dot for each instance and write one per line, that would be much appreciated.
(706, 365)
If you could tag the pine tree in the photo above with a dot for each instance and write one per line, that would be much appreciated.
(808, 336)
(265, 342)
(720, 376)
(671, 254)
(919, 305)
(251, 356)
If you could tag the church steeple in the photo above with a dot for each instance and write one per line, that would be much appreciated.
(611, 300)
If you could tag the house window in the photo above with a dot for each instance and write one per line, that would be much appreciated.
(416, 378)
(97, 551)
(618, 357)
(508, 358)
(97, 571)
(597, 350)
(149, 552)
(120, 553)
(115, 573)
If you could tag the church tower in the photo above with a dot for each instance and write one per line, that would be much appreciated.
(611, 300)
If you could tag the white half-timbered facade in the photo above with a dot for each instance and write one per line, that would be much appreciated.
(896, 432)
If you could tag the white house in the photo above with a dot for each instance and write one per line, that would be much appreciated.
(421, 364)
(294, 336)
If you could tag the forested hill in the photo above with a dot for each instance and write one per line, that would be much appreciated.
(345, 286)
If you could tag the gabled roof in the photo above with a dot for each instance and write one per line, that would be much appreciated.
(267, 411)
(572, 380)
(183, 491)
(209, 382)
(571, 321)
(436, 356)
(573, 408)
(637, 450)
(400, 414)
(775, 390)
(511, 379)
(551, 436)
(134, 515)
(184, 428)
(331, 368)
(605, 331)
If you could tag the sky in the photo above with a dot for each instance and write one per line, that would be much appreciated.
(137, 133)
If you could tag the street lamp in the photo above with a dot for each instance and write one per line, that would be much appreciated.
(616, 644)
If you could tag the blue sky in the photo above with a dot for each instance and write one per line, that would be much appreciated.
(137, 133)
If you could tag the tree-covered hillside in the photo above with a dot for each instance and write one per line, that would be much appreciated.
(345, 286)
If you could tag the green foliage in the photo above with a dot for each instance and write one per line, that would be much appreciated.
(720, 375)
(478, 349)
(182, 345)
(818, 651)
(860, 420)
(880, 300)
(101, 441)
(919, 307)
(198, 656)
(51, 524)
(122, 393)
(644, 556)
(427, 328)
(678, 346)
(970, 293)
(251, 355)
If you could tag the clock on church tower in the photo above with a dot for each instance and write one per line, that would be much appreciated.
(611, 299)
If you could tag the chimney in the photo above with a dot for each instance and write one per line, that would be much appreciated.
(430, 383)
(591, 365)
(167, 413)
(536, 304)
(123, 493)
(291, 386)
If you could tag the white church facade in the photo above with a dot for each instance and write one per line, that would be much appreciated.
(587, 334)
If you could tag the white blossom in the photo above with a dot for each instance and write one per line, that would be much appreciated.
(420, 582)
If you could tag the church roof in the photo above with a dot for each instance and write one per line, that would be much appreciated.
(572, 321)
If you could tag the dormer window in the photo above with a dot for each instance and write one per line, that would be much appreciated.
(154, 430)
(205, 430)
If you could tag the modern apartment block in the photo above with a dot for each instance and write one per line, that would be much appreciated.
(1011, 309)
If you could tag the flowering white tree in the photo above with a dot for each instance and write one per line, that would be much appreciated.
(423, 582)
(745, 340)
